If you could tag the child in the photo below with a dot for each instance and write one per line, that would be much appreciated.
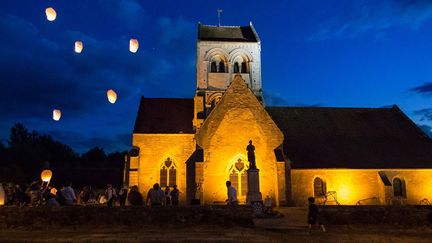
(313, 215)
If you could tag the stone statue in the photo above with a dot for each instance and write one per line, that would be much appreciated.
(251, 155)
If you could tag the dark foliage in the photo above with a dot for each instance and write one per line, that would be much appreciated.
(30, 152)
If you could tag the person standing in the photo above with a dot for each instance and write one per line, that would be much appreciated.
(167, 195)
(313, 215)
(232, 194)
(155, 196)
(69, 194)
(2, 195)
(175, 196)
(110, 194)
(123, 195)
(134, 197)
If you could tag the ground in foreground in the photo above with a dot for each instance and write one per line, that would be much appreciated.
(220, 234)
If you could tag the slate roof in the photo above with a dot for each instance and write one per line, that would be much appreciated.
(164, 115)
(361, 138)
(317, 137)
(227, 33)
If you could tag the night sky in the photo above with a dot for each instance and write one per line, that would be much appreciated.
(314, 53)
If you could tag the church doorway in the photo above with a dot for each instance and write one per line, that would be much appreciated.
(237, 174)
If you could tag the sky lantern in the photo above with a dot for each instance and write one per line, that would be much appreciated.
(133, 45)
(56, 115)
(78, 46)
(112, 96)
(46, 175)
(53, 191)
(50, 14)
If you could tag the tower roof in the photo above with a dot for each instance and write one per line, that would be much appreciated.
(227, 33)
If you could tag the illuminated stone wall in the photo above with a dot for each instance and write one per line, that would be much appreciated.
(154, 150)
(229, 51)
(238, 118)
(352, 185)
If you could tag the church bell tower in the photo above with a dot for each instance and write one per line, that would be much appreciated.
(223, 52)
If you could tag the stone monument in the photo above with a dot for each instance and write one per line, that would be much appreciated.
(254, 197)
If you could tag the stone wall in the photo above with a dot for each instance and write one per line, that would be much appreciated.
(401, 216)
(154, 150)
(95, 216)
(364, 185)
(229, 50)
(238, 118)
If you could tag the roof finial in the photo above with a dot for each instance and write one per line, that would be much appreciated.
(219, 11)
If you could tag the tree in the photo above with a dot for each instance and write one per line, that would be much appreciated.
(116, 160)
(29, 152)
(95, 157)
(19, 135)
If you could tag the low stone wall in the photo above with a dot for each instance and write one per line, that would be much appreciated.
(401, 215)
(96, 216)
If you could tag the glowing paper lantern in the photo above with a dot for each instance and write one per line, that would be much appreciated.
(46, 175)
(56, 115)
(50, 14)
(78, 46)
(112, 96)
(53, 191)
(133, 45)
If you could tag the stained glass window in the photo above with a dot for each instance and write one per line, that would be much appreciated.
(168, 174)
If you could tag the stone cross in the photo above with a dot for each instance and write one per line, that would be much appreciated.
(219, 11)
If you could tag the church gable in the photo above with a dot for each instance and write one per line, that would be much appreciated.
(238, 106)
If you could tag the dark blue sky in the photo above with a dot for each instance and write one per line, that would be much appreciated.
(329, 53)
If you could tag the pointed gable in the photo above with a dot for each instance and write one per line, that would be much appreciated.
(239, 107)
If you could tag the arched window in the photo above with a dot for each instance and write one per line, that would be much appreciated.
(236, 68)
(221, 66)
(213, 67)
(244, 67)
(398, 187)
(238, 177)
(319, 187)
(168, 173)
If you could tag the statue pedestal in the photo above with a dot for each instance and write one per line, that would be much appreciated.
(254, 197)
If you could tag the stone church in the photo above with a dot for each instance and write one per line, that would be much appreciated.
(349, 156)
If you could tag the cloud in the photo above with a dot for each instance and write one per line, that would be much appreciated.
(274, 99)
(427, 129)
(374, 16)
(40, 72)
(129, 12)
(426, 114)
(424, 89)
(118, 142)
(176, 30)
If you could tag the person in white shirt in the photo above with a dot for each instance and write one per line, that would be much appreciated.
(232, 194)
(155, 196)
(110, 194)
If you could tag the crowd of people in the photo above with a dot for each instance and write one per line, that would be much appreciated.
(36, 195)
